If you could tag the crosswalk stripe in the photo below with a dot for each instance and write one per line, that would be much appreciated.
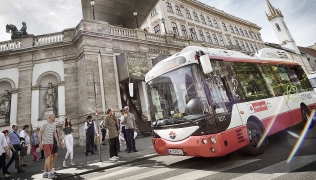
(158, 171)
(119, 172)
(278, 169)
(213, 170)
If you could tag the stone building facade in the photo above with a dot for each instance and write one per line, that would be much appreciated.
(191, 19)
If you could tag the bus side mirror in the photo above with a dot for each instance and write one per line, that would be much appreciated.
(131, 89)
(206, 64)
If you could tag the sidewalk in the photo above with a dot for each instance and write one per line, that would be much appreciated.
(35, 170)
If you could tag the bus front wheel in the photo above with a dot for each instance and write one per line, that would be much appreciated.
(255, 134)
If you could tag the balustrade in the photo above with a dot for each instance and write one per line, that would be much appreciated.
(155, 37)
(10, 45)
(48, 39)
(124, 32)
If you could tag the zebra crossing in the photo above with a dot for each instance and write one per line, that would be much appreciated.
(184, 168)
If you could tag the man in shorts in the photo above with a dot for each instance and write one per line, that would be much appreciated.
(46, 137)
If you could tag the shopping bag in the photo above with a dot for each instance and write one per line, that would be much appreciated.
(135, 134)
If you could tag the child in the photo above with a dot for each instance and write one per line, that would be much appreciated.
(22, 151)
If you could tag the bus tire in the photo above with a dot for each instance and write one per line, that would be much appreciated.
(254, 134)
(305, 115)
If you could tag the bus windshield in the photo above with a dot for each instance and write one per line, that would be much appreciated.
(177, 97)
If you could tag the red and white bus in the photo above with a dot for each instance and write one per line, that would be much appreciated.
(210, 102)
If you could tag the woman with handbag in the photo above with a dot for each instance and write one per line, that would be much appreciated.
(68, 139)
(35, 145)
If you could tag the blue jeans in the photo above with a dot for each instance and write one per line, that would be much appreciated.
(130, 141)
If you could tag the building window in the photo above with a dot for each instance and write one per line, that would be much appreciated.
(169, 7)
(246, 33)
(231, 29)
(221, 40)
(247, 47)
(242, 45)
(184, 31)
(252, 50)
(201, 35)
(229, 42)
(153, 12)
(250, 34)
(209, 38)
(256, 48)
(254, 34)
(202, 19)
(215, 39)
(193, 34)
(277, 26)
(237, 43)
(259, 37)
(224, 26)
(178, 10)
(174, 28)
(157, 29)
(196, 18)
(215, 23)
(187, 12)
(209, 21)
(241, 32)
(236, 30)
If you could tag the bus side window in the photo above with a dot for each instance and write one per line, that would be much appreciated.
(273, 79)
(252, 81)
(299, 78)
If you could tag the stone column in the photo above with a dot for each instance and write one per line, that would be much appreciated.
(24, 95)
(35, 106)
(14, 107)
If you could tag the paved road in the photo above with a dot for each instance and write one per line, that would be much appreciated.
(237, 166)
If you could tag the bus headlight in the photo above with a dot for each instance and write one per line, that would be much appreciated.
(213, 140)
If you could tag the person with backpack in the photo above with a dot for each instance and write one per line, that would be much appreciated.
(24, 144)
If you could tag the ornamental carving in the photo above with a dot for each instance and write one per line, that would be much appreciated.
(156, 21)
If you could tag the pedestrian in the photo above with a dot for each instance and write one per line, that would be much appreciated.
(24, 144)
(5, 153)
(34, 145)
(91, 131)
(130, 128)
(103, 131)
(15, 141)
(123, 125)
(69, 141)
(110, 124)
(23, 149)
(54, 153)
(46, 137)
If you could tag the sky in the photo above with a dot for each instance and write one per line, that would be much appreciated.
(49, 16)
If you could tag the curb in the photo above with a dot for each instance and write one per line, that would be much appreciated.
(112, 166)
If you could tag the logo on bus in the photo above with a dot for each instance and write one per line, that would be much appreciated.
(258, 107)
(172, 135)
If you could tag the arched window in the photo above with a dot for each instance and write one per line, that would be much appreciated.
(277, 26)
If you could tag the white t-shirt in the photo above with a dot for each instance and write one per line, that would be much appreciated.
(26, 137)
(3, 143)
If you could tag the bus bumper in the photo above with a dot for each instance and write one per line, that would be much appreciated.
(205, 146)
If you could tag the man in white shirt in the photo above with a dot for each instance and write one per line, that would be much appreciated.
(26, 137)
(3, 149)
(122, 128)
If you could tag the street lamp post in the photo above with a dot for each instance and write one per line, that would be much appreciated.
(164, 25)
(92, 5)
(135, 14)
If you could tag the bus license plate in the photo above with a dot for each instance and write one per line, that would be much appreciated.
(176, 151)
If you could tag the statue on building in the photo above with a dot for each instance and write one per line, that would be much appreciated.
(5, 103)
(50, 96)
(15, 33)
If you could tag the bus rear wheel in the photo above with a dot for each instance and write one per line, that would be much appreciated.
(254, 134)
